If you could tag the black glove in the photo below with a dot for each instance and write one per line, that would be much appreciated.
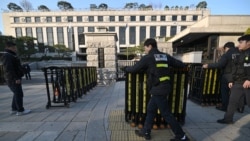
(123, 68)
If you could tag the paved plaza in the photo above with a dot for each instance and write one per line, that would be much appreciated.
(99, 116)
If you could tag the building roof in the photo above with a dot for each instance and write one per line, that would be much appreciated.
(213, 24)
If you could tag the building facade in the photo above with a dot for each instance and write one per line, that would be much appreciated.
(69, 27)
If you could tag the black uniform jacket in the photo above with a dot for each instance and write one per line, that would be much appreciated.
(240, 67)
(12, 66)
(225, 63)
(147, 64)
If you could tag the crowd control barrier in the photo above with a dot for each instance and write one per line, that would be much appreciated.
(137, 97)
(204, 85)
(66, 84)
(2, 80)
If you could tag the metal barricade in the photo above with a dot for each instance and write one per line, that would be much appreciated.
(204, 85)
(137, 97)
(67, 84)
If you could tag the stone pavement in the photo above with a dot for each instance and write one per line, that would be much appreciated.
(99, 116)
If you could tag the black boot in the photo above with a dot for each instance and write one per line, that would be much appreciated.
(180, 139)
(141, 133)
(241, 110)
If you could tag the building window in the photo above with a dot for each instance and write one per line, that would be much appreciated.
(91, 18)
(81, 37)
(60, 37)
(50, 37)
(183, 27)
(153, 18)
(49, 19)
(28, 19)
(112, 18)
(70, 18)
(195, 17)
(91, 29)
(132, 36)
(19, 32)
(71, 43)
(121, 18)
(100, 18)
(152, 31)
(183, 18)
(16, 20)
(58, 19)
(39, 34)
(174, 18)
(173, 30)
(112, 29)
(79, 18)
(29, 32)
(142, 18)
(101, 61)
(122, 35)
(163, 18)
(163, 31)
(37, 19)
(133, 18)
(142, 33)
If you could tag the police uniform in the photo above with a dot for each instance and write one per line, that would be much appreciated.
(240, 73)
(225, 64)
(156, 64)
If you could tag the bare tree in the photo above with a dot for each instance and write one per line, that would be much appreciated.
(27, 6)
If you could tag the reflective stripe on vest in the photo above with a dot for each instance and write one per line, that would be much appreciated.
(164, 78)
(161, 65)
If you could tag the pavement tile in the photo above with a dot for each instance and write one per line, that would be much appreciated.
(99, 116)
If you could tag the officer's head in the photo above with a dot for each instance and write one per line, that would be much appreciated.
(149, 44)
(244, 42)
(228, 46)
(10, 46)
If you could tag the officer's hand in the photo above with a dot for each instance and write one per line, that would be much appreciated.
(205, 66)
(246, 84)
(230, 85)
(123, 68)
(18, 81)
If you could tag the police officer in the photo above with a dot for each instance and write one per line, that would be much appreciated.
(239, 81)
(225, 64)
(156, 64)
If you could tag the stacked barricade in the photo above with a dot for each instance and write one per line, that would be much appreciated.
(204, 85)
(137, 97)
(105, 77)
(66, 84)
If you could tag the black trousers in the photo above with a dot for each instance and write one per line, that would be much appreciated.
(17, 99)
(224, 89)
(235, 100)
(161, 102)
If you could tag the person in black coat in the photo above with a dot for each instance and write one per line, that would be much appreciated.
(27, 70)
(13, 74)
(239, 80)
(225, 65)
(156, 64)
